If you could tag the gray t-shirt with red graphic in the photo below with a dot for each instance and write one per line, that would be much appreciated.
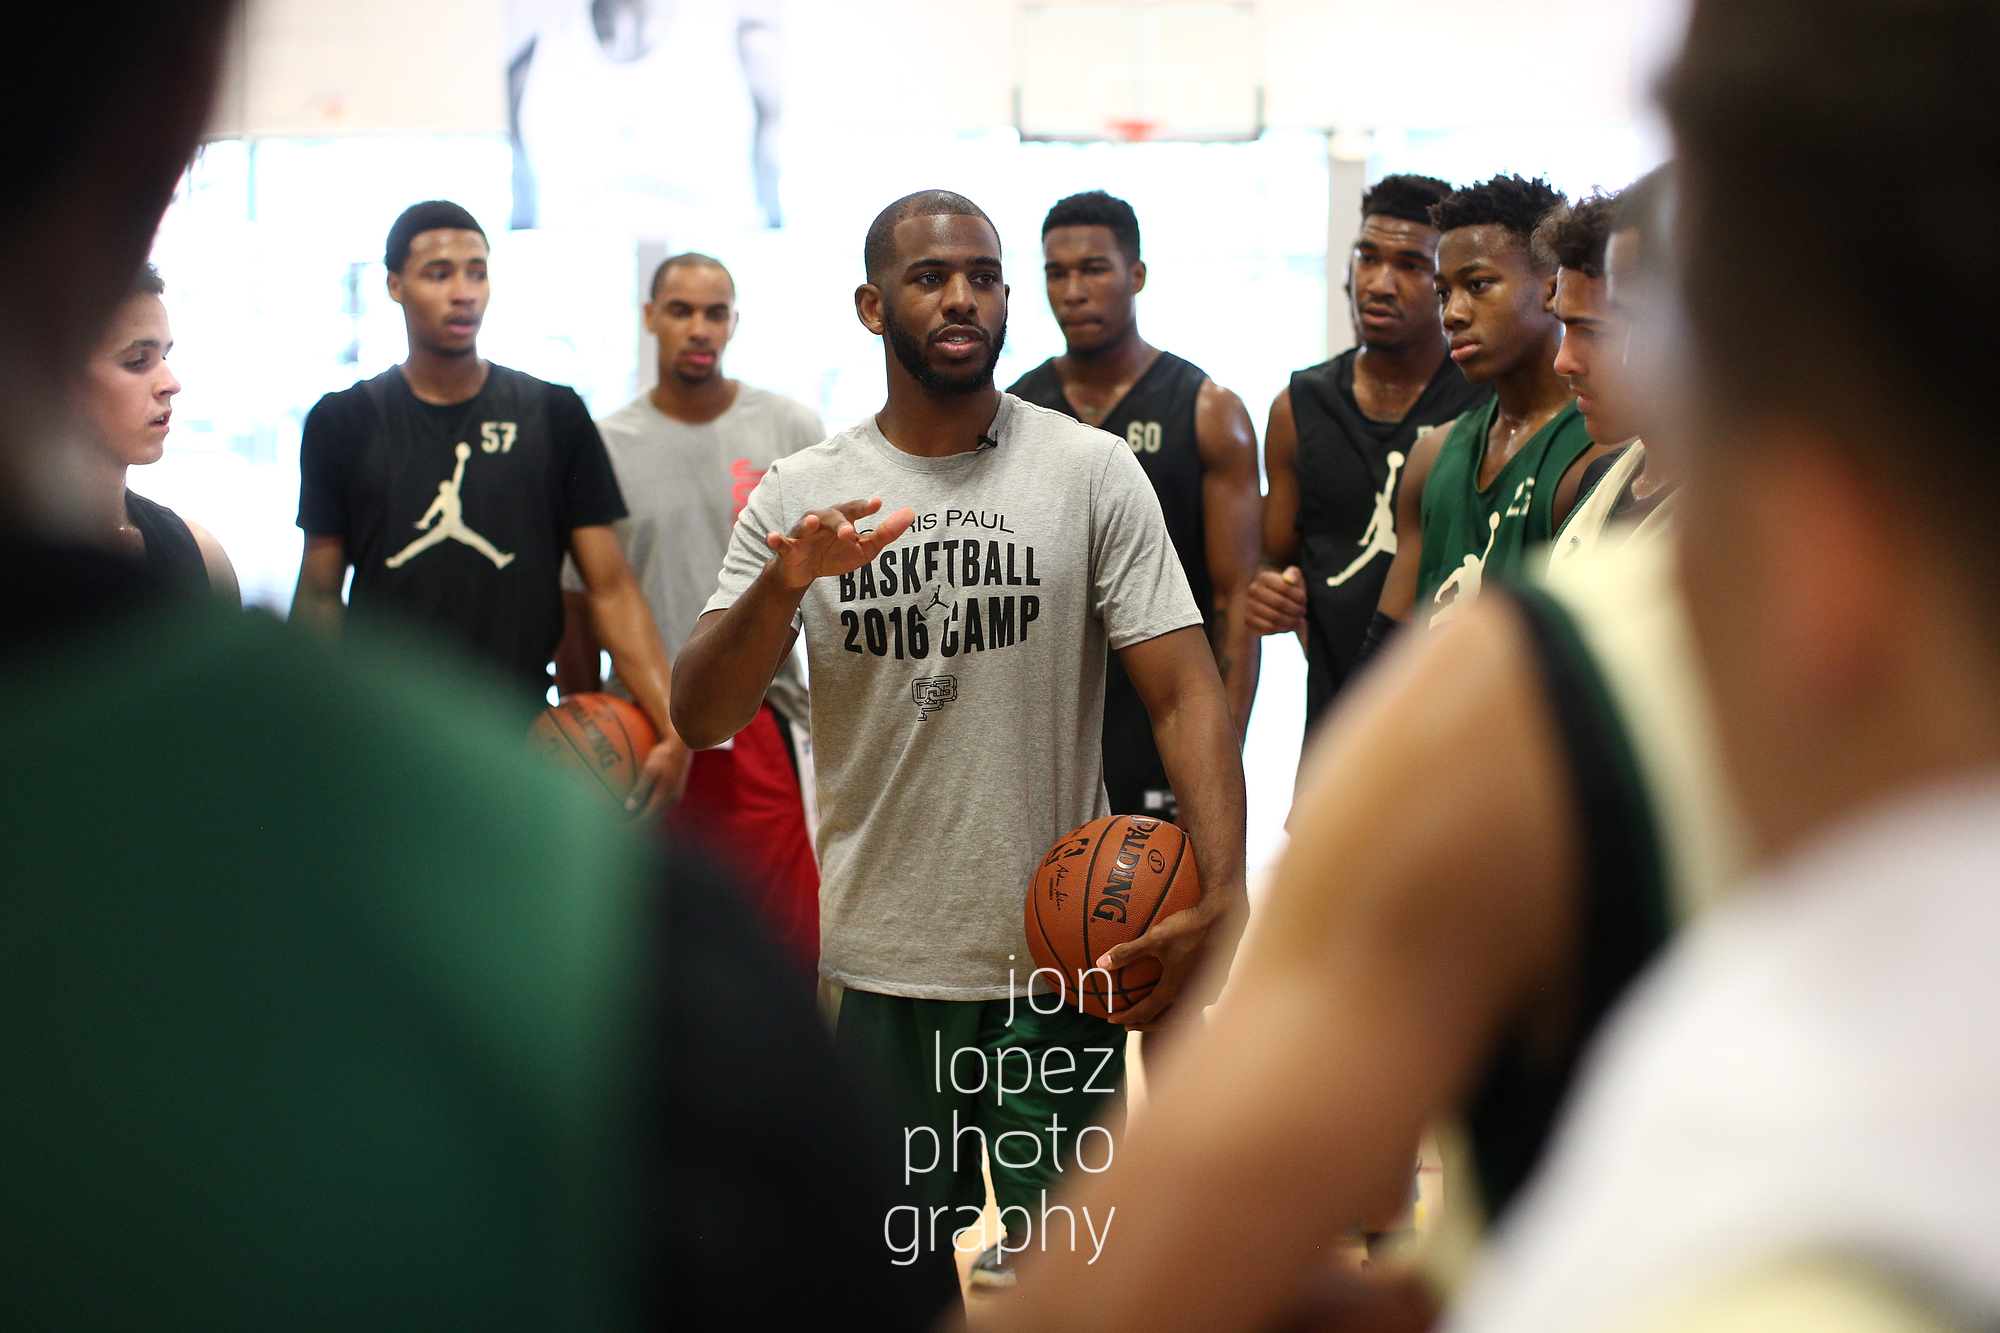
(958, 681)
(684, 485)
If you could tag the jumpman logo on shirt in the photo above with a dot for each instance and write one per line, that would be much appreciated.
(448, 513)
(1379, 537)
(1465, 580)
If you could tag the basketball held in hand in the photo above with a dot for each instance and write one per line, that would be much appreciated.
(601, 737)
(1102, 885)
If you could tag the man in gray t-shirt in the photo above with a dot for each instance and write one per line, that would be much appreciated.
(957, 655)
(688, 452)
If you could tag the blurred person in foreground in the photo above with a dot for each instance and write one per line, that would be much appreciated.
(129, 405)
(1791, 1124)
(1340, 433)
(322, 1006)
(1498, 829)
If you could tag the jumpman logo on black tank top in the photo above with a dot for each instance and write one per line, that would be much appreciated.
(1349, 468)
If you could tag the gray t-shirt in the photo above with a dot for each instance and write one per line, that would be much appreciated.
(684, 485)
(958, 681)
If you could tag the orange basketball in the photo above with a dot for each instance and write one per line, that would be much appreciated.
(1102, 885)
(600, 736)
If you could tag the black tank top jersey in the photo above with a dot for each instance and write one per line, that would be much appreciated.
(172, 554)
(1346, 492)
(1156, 418)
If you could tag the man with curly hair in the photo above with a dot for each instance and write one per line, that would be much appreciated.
(1624, 491)
(1481, 491)
(1572, 239)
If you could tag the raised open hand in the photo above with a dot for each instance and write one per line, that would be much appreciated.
(827, 542)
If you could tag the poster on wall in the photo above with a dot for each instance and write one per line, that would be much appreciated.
(657, 118)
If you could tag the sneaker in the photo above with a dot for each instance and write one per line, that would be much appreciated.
(993, 1268)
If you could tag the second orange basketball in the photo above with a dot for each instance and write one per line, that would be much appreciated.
(600, 736)
(1101, 885)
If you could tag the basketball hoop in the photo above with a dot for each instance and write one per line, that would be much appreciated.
(1188, 70)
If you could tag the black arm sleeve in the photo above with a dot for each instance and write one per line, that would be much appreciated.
(759, 1128)
(590, 494)
(1381, 628)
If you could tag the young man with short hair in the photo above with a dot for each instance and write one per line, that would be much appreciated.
(1482, 491)
(1572, 239)
(957, 651)
(1595, 358)
(454, 488)
(1191, 436)
(688, 452)
(1341, 434)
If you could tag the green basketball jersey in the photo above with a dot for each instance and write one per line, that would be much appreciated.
(1472, 534)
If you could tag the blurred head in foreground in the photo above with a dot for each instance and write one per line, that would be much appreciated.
(1842, 562)
(80, 198)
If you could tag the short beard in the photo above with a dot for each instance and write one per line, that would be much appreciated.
(910, 351)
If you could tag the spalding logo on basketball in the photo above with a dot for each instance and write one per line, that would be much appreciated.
(601, 737)
(1102, 885)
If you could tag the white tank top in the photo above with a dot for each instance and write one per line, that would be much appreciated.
(1590, 524)
(657, 147)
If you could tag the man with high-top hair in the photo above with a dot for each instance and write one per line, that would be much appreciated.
(1341, 434)
(1481, 491)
